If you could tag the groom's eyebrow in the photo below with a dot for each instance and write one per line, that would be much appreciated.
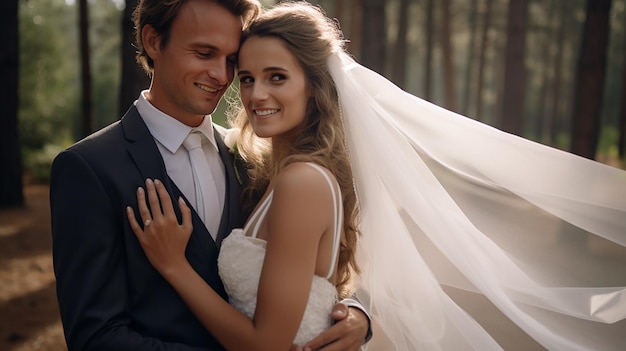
(203, 45)
(209, 46)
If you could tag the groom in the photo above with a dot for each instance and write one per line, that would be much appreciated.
(109, 295)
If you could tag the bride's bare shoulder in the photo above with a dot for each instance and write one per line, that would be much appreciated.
(305, 172)
(303, 177)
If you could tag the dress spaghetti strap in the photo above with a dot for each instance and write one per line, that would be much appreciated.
(338, 210)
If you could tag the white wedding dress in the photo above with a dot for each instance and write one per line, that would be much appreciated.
(241, 260)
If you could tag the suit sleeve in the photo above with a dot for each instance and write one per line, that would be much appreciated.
(355, 303)
(89, 262)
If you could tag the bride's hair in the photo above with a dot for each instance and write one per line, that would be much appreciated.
(311, 38)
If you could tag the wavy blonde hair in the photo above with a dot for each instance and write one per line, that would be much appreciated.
(311, 38)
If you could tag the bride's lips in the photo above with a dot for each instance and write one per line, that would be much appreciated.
(265, 112)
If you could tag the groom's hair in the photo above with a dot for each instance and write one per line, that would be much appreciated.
(161, 14)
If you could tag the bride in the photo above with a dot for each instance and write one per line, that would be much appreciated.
(451, 208)
(285, 270)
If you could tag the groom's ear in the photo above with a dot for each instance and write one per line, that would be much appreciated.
(151, 40)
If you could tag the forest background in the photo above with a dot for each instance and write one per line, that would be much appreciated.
(553, 71)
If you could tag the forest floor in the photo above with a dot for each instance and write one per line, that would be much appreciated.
(29, 316)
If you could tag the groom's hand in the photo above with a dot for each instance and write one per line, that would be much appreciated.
(348, 332)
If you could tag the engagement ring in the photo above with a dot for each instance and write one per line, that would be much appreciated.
(147, 222)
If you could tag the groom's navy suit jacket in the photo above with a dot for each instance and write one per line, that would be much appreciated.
(110, 297)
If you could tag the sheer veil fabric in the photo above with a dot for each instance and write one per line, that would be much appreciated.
(451, 203)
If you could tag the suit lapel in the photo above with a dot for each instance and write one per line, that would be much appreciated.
(143, 150)
(142, 147)
(200, 238)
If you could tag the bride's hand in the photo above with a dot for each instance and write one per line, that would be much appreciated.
(162, 238)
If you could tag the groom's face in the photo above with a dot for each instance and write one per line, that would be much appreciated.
(196, 66)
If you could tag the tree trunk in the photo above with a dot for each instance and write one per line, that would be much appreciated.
(622, 117)
(555, 115)
(448, 55)
(471, 53)
(374, 34)
(542, 121)
(339, 9)
(398, 73)
(134, 79)
(590, 83)
(512, 117)
(85, 72)
(484, 38)
(430, 36)
(11, 192)
(356, 20)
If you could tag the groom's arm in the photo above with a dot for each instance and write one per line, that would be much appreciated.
(352, 328)
(353, 303)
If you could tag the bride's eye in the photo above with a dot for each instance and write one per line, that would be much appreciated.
(277, 77)
(245, 79)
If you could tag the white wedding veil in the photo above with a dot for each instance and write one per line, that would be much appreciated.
(452, 207)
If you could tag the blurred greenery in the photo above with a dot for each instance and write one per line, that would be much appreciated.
(48, 78)
(49, 100)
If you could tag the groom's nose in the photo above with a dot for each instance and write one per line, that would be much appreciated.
(221, 71)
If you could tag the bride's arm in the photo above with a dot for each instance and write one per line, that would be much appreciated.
(296, 222)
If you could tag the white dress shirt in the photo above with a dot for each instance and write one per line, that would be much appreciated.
(169, 135)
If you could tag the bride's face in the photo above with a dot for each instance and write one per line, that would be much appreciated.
(273, 88)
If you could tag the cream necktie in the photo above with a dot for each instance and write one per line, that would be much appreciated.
(207, 198)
